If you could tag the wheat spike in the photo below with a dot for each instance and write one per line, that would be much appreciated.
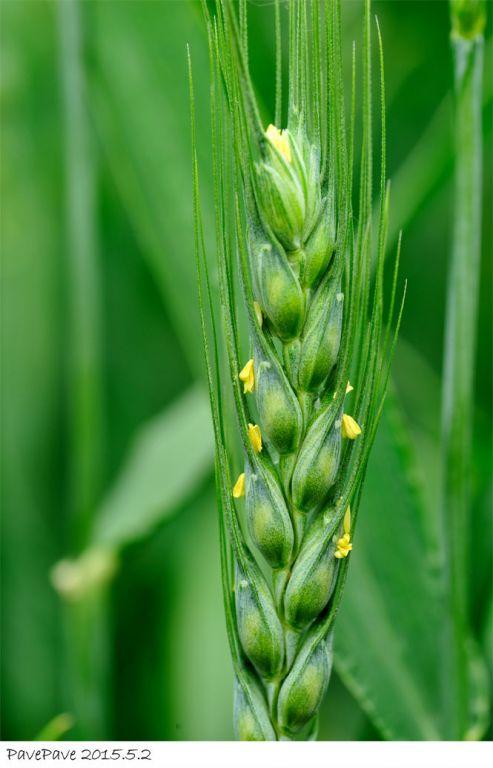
(286, 232)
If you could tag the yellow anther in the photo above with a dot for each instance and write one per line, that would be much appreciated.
(255, 437)
(239, 487)
(344, 546)
(247, 376)
(258, 313)
(349, 388)
(280, 141)
(350, 428)
(347, 520)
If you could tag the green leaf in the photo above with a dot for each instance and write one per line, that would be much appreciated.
(389, 633)
(139, 99)
(479, 695)
(421, 408)
(56, 728)
(170, 457)
(427, 165)
(198, 670)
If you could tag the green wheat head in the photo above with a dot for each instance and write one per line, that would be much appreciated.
(310, 273)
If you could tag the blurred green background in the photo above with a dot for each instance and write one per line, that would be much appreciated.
(106, 441)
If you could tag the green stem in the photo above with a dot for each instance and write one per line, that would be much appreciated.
(86, 663)
(85, 631)
(460, 345)
(83, 281)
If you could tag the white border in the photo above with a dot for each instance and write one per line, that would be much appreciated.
(207, 754)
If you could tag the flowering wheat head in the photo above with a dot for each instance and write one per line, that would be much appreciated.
(310, 274)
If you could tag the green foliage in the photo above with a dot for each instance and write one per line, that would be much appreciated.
(170, 458)
(56, 728)
(389, 610)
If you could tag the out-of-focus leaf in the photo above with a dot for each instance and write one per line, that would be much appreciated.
(487, 638)
(170, 457)
(479, 703)
(139, 98)
(426, 165)
(341, 717)
(481, 584)
(56, 728)
(421, 410)
(389, 633)
(199, 672)
(418, 389)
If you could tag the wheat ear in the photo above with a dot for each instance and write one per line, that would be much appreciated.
(286, 233)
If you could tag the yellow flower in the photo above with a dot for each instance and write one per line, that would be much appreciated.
(247, 376)
(258, 313)
(239, 487)
(280, 141)
(350, 428)
(344, 545)
(255, 437)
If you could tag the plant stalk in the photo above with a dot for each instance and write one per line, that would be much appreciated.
(460, 346)
(85, 631)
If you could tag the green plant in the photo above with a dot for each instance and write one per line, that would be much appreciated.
(287, 233)
(156, 507)
(468, 22)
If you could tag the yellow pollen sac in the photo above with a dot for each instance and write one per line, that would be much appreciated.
(280, 141)
(349, 388)
(350, 428)
(247, 376)
(344, 546)
(347, 520)
(255, 437)
(239, 487)
(258, 313)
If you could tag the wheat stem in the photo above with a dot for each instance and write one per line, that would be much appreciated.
(468, 20)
